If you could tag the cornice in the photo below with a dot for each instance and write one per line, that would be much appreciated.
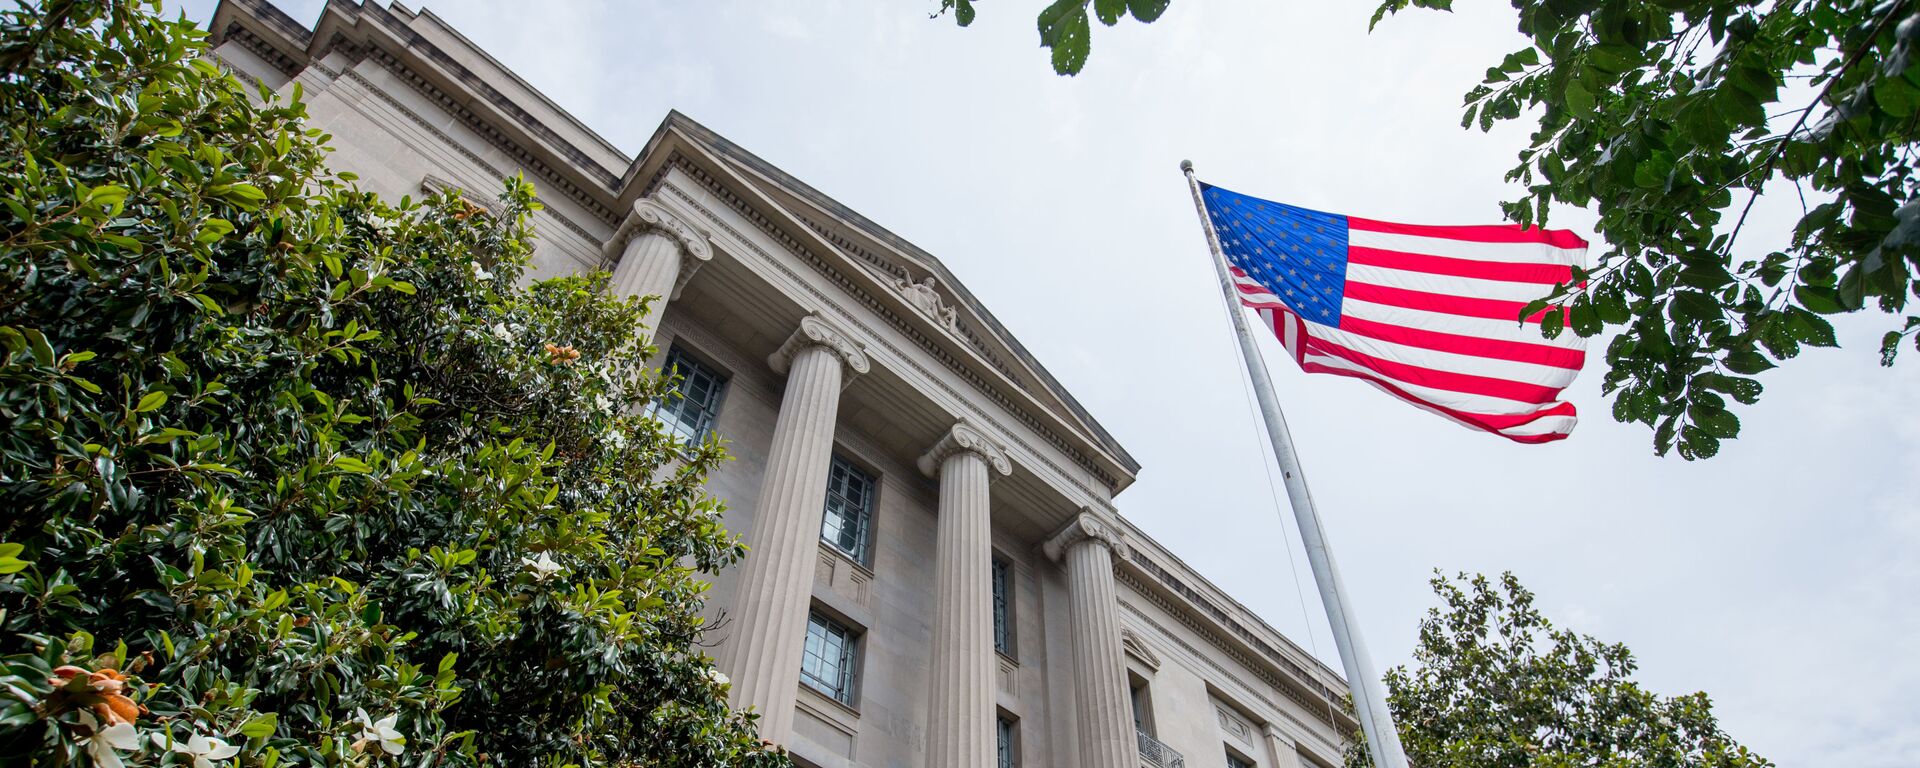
(492, 170)
(493, 135)
(1216, 626)
(1322, 715)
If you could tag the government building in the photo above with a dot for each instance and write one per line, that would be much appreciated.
(939, 575)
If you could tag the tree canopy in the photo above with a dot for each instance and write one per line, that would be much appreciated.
(299, 476)
(1669, 118)
(1494, 685)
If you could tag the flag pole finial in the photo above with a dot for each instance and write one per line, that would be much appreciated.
(1186, 166)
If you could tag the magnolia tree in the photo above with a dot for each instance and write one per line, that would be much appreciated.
(1495, 685)
(295, 476)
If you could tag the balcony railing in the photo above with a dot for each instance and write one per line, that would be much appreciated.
(1158, 755)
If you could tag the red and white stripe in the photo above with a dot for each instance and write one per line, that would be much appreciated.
(1430, 316)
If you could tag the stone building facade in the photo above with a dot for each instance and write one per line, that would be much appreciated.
(939, 575)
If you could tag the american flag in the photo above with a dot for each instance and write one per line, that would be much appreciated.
(1429, 314)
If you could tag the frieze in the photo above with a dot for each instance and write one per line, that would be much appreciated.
(500, 140)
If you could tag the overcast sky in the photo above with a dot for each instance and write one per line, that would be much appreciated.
(1779, 577)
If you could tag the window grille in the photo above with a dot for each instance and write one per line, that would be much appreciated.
(691, 408)
(849, 512)
(826, 665)
(1002, 616)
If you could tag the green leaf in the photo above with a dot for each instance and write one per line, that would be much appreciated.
(1065, 29)
(1109, 11)
(1717, 422)
(1577, 99)
(1746, 361)
(37, 344)
(260, 727)
(151, 402)
(1896, 97)
(1808, 328)
(1820, 299)
(1147, 11)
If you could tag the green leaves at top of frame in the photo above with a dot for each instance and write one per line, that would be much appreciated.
(1066, 27)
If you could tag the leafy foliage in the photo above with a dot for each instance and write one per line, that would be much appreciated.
(1066, 30)
(294, 476)
(1669, 118)
(1495, 685)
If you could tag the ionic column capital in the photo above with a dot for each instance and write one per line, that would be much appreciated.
(964, 438)
(816, 332)
(1086, 527)
(649, 216)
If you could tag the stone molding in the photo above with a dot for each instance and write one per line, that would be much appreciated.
(379, 92)
(963, 437)
(817, 332)
(1085, 527)
(1205, 659)
(1131, 643)
(650, 216)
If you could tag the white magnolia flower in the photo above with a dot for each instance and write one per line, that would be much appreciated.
(718, 678)
(543, 567)
(617, 438)
(106, 744)
(480, 272)
(503, 332)
(382, 732)
(205, 751)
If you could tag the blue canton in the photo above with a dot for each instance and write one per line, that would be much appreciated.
(1298, 254)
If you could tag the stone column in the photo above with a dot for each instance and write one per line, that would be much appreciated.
(960, 722)
(659, 252)
(762, 654)
(1285, 753)
(1086, 547)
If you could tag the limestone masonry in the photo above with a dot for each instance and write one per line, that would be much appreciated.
(938, 574)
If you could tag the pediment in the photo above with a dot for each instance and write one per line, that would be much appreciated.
(919, 282)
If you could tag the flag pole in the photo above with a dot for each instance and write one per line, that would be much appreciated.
(1369, 698)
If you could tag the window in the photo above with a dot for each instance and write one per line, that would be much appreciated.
(1004, 734)
(1236, 761)
(849, 509)
(1142, 704)
(689, 411)
(827, 663)
(1002, 615)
